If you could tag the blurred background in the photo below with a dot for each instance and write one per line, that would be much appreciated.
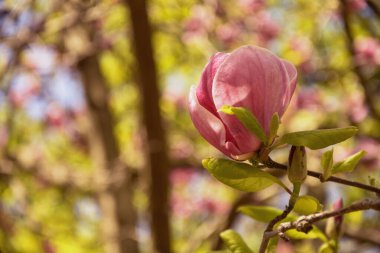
(98, 153)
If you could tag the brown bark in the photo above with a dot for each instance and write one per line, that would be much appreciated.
(118, 213)
(157, 157)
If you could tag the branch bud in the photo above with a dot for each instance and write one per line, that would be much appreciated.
(297, 169)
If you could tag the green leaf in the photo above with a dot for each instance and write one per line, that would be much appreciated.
(348, 164)
(240, 176)
(327, 163)
(263, 213)
(248, 120)
(306, 205)
(315, 233)
(317, 139)
(326, 248)
(234, 242)
(273, 127)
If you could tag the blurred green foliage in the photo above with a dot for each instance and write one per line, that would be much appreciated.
(41, 211)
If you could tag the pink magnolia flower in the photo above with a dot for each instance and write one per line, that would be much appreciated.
(250, 77)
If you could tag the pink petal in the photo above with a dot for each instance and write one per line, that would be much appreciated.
(253, 78)
(208, 125)
(292, 74)
(204, 89)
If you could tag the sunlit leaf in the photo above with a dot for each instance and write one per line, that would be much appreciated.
(240, 176)
(306, 205)
(327, 163)
(234, 242)
(273, 127)
(263, 213)
(315, 233)
(248, 120)
(326, 248)
(348, 164)
(318, 139)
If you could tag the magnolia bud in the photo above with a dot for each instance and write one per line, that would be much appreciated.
(338, 220)
(249, 77)
(297, 169)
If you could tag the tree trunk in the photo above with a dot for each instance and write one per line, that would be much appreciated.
(118, 213)
(157, 157)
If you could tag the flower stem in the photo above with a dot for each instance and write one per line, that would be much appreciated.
(274, 165)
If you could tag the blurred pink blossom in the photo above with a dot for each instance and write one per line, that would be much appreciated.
(212, 206)
(48, 247)
(357, 5)
(55, 115)
(285, 247)
(181, 149)
(181, 206)
(304, 47)
(266, 28)
(356, 108)
(371, 159)
(367, 51)
(181, 175)
(184, 203)
(187, 206)
(309, 98)
(198, 23)
(252, 5)
(228, 33)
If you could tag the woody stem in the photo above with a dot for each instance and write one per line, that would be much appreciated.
(269, 163)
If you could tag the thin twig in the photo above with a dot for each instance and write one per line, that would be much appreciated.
(274, 165)
(283, 215)
(303, 223)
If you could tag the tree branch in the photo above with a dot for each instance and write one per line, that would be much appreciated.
(283, 215)
(303, 223)
(274, 165)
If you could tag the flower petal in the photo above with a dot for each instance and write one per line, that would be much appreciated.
(292, 74)
(208, 125)
(204, 89)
